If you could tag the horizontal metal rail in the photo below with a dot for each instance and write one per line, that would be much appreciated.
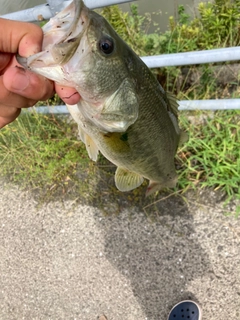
(165, 60)
(193, 57)
(222, 104)
(48, 10)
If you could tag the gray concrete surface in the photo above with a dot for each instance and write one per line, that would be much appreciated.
(63, 260)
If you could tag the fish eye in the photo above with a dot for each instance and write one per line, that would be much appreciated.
(106, 45)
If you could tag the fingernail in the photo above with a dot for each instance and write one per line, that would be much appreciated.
(21, 80)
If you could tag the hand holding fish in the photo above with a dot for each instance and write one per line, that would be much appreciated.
(21, 88)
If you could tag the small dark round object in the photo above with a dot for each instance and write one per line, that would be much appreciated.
(106, 45)
(185, 310)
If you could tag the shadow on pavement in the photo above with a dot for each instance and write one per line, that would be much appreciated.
(160, 256)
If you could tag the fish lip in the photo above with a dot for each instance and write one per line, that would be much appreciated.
(22, 61)
(66, 23)
(65, 27)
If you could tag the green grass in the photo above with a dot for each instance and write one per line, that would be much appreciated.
(42, 152)
(211, 157)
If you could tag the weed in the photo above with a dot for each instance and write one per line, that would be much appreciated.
(211, 156)
(216, 26)
(40, 151)
(43, 152)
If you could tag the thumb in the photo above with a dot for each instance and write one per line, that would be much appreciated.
(22, 37)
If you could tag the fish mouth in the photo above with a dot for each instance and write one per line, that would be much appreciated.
(62, 37)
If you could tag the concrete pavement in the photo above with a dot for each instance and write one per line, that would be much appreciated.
(64, 260)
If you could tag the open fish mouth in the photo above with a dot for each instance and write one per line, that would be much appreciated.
(61, 43)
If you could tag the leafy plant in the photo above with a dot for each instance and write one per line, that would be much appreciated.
(42, 151)
(216, 26)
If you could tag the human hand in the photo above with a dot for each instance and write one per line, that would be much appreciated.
(21, 88)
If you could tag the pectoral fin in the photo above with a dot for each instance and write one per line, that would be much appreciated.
(126, 180)
(91, 146)
(81, 134)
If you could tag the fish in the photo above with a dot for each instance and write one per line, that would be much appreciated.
(123, 112)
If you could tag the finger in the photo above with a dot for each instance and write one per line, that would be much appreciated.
(22, 37)
(68, 95)
(27, 84)
(13, 113)
(10, 100)
(8, 103)
(5, 58)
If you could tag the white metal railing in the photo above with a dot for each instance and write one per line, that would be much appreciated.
(221, 104)
(176, 59)
(193, 57)
(48, 10)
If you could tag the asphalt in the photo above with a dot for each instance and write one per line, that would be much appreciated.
(64, 260)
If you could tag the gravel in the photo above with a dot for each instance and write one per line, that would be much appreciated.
(63, 260)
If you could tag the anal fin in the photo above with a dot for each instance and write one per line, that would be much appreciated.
(126, 180)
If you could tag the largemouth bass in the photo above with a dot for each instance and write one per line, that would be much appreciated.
(124, 112)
